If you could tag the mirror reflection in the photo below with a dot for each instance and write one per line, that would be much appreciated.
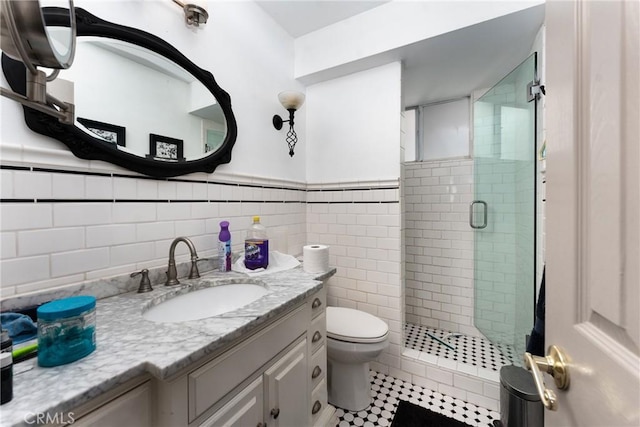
(141, 102)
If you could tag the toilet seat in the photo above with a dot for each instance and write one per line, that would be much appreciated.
(355, 326)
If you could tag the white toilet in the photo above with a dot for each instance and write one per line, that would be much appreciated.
(354, 338)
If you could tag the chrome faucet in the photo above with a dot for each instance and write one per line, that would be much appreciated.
(172, 273)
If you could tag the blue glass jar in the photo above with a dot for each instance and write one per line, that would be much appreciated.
(66, 330)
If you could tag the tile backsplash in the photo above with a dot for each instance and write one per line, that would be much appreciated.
(62, 227)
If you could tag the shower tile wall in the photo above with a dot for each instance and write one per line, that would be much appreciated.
(63, 227)
(439, 271)
(439, 245)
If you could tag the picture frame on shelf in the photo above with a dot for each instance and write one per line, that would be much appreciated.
(166, 148)
(111, 133)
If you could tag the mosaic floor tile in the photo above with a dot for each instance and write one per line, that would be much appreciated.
(473, 351)
(387, 391)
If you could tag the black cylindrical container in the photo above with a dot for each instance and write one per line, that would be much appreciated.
(6, 377)
(520, 404)
(6, 345)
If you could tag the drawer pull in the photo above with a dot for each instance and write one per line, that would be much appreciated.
(316, 303)
(316, 407)
(316, 372)
(261, 425)
(275, 412)
(317, 336)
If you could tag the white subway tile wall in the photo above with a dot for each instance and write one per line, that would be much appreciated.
(361, 224)
(65, 227)
(439, 245)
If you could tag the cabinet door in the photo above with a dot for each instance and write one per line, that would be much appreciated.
(132, 408)
(244, 410)
(286, 385)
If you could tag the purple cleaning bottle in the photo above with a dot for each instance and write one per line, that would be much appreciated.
(224, 246)
(256, 246)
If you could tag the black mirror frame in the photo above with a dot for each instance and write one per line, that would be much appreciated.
(85, 146)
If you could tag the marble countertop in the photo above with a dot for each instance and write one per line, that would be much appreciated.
(129, 346)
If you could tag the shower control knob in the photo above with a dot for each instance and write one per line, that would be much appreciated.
(275, 412)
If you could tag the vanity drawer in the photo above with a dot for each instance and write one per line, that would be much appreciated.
(317, 333)
(318, 303)
(319, 402)
(318, 366)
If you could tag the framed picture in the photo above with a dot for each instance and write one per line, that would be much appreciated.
(165, 148)
(108, 132)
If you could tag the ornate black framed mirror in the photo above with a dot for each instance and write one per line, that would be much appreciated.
(185, 125)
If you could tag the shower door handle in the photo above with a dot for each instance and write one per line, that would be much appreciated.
(484, 216)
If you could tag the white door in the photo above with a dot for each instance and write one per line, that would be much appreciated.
(593, 193)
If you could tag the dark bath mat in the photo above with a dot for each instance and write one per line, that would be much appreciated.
(410, 415)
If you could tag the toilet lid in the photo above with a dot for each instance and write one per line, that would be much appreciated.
(347, 324)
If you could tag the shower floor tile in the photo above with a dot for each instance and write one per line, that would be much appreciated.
(387, 391)
(473, 351)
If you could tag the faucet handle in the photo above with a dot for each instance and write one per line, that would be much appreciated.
(145, 283)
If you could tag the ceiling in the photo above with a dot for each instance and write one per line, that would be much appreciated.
(444, 67)
(299, 17)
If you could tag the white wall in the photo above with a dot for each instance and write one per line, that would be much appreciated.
(353, 200)
(353, 127)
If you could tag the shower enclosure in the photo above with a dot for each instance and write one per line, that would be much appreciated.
(469, 236)
(503, 213)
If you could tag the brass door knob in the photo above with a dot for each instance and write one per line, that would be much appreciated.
(554, 364)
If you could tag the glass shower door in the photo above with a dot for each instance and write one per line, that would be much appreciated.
(503, 212)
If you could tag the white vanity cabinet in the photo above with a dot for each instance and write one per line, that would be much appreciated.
(275, 377)
(274, 396)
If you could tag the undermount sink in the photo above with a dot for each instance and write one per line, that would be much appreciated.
(205, 302)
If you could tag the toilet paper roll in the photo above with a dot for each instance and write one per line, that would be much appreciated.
(315, 258)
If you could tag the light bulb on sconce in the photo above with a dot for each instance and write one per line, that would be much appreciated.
(291, 101)
(193, 14)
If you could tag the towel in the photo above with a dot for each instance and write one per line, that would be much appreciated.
(277, 262)
(535, 345)
(19, 326)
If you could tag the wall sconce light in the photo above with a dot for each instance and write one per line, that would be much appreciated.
(193, 14)
(291, 101)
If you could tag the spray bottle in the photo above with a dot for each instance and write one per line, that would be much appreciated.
(224, 246)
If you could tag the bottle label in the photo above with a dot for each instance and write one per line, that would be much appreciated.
(256, 253)
(224, 254)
